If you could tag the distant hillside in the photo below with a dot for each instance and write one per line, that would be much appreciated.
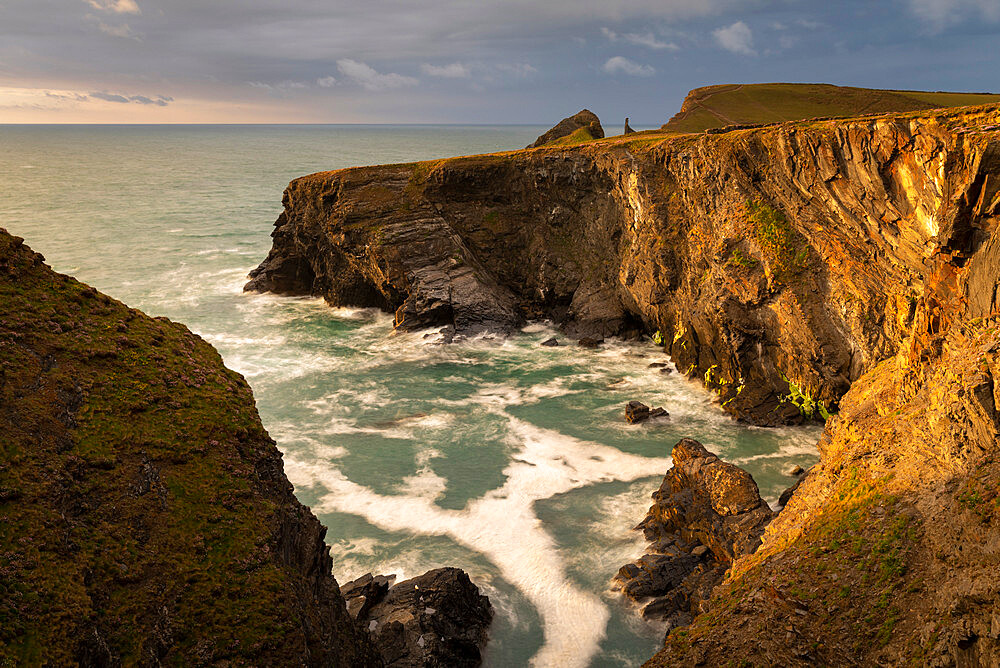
(737, 104)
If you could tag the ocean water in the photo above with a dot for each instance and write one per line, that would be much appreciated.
(500, 456)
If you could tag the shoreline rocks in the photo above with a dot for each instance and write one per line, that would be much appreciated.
(436, 619)
(636, 412)
(706, 514)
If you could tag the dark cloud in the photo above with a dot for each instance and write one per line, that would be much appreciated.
(160, 101)
(484, 60)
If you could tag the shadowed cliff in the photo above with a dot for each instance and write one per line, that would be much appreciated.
(146, 515)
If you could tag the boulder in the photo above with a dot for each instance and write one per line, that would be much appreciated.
(658, 412)
(705, 514)
(436, 619)
(588, 342)
(551, 343)
(585, 120)
(636, 412)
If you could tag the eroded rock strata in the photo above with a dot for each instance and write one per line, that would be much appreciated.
(436, 619)
(784, 265)
(706, 514)
(146, 517)
(777, 263)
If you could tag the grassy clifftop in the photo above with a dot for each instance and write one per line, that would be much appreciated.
(145, 514)
(747, 104)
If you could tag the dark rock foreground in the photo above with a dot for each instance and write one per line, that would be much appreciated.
(146, 517)
(706, 514)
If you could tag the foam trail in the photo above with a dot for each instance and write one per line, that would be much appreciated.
(502, 525)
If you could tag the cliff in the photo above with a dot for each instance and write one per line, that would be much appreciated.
(146, 515)
(778, 264)
(845, 269)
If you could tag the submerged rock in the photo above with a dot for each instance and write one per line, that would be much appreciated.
(550, 343)
(705, 514)
(436, 619)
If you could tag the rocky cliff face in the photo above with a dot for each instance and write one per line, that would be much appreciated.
(146, 515)
(779, 263)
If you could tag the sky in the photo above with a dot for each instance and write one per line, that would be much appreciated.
(464, 61)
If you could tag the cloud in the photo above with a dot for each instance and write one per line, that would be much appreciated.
(646, 39)
(518, 69)
(116, 6)
(326, 82)
(370, 79)
(452, 71)
(118, 31)
(622, 65)
(938, 14)
(737, 38)
(159, 101)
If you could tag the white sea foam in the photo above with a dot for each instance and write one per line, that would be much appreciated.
(502, 525)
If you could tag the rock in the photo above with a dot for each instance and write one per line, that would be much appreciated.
(657, 365)
(365, 592)
(705, 514)
(795, 471)
(666, 370)
(550, 343)
(585, 120)
(628, 129)
(786, 496)
(436, 619)
(589, 342)
(658, 412)
(636, 412)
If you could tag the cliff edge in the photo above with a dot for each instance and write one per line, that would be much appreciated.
(146, 515)
(778, 264)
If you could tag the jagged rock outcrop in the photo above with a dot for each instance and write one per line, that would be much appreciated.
(582, 126)
(705, 514)
(146, 516)
(778, 263)
(887, 551)
(437, 619)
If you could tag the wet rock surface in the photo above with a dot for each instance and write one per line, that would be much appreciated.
(436, 619)
(705, 514)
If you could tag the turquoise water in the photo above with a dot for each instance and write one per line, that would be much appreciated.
(502, 457)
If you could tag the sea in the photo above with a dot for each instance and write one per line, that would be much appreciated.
(500, 456)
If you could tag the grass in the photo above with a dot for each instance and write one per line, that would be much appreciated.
(578, 136)
(785, 249)
(749, 104)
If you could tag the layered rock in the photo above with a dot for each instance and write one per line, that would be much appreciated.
(582, 126)
(778, 263)
(147, 519)
(437, 619)
(706, 514)
(887, 551)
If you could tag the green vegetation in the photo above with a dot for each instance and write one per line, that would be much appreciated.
(807, 406)
(785, 248)
(741, 259)
(578, 136)
(750, 104)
